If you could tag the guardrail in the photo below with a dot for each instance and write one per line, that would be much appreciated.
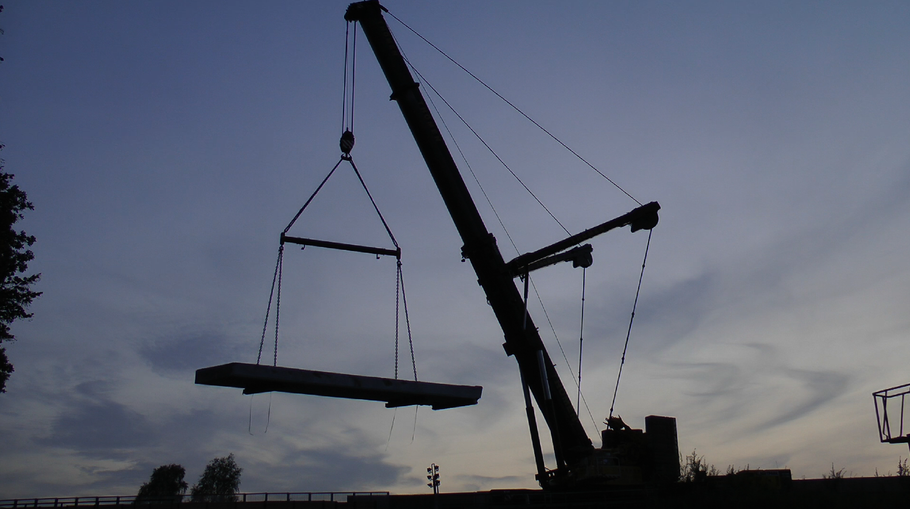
(303, 496)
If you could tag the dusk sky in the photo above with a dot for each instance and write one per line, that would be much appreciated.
(166, 144)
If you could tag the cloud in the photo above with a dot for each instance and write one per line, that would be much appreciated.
(669, 314)
(187, 351)
(335, 467)
(106, 426)
(68, 475)
(470, 482)
(822, 387)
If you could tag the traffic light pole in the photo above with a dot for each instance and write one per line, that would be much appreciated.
(433, 477)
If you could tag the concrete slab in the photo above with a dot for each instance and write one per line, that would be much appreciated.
(256, 378)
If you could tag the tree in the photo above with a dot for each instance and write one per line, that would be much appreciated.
(166, 484)
(220, 481)
(15, 289)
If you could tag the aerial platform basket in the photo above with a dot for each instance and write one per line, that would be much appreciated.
(891, 419)
(256, 378)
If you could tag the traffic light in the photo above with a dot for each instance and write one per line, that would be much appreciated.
(433, 477)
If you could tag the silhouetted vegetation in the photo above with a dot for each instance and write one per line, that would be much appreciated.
(902, 469)
(220, 482)
(165, 485)
(834, 474)
(15, 290)
(696, 469)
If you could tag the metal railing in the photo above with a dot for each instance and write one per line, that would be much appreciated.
(299, 496)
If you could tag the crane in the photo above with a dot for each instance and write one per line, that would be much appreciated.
(579, 463)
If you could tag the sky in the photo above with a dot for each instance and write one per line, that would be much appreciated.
(165, 145)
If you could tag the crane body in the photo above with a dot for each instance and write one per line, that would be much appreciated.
(578, 461)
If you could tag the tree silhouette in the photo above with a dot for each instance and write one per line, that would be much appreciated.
(165, 485)
(15, 290)
(219, 482)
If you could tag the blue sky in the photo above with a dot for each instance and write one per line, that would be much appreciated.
(166, 145)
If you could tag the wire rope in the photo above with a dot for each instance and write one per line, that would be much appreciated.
(467, 163)
(344, 87)
(350, 60)
(375, 207)
(310, 199)
(477, 135)
(391, 428)
(581, 337)
(516, 108)
(561, 349)
(464, 158)
(489, 148)
(574, 153)
(268, 417)
(631, 319)
(353, 76)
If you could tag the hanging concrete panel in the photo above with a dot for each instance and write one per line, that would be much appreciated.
(256, 378)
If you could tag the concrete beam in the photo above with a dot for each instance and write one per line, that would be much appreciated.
(256, 378)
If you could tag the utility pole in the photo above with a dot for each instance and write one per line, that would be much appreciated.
(433, 477)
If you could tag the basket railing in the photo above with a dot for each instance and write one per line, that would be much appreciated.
(890, 412)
